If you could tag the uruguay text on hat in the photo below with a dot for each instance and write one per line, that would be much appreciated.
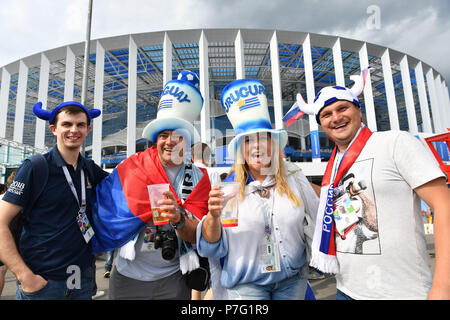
(179, 106)
(245, 103)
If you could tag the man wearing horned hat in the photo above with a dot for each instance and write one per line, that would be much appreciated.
(369, 230)
(55, 260)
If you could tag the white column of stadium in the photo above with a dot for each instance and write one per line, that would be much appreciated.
(337, 61)
(390, 92)
(20, 102)
(423, 101)
(409, 99)
(97, 124)
(39, 140)
(167, 59)
(310, 94)
(4, 95)
(446, 104)
(444, 91)
(205, 132)
(442, 102)
(69, 78)
(239, 55)
(276, 82)
(131, 106)
(433, 100)
(368, 94)
(437, 81)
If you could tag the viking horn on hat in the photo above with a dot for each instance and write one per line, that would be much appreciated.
(307, 108)
(41, 113)
(360, 82)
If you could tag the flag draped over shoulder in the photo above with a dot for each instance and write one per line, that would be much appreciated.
(121, 206)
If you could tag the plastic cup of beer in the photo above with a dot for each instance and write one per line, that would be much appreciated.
(155, 193)
(230, 209)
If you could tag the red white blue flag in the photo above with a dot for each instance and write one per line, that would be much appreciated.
(121, 206)
(293, 114)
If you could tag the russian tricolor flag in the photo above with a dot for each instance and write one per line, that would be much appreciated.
(121, 206)
(293, 115)
(364, 75)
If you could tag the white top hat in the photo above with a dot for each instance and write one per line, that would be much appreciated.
(179, 106)
(245, 103)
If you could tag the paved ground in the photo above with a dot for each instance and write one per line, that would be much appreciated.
(323, 289)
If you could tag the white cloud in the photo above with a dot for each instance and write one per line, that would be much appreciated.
(423, 36)
(76, 17)
(30, 26)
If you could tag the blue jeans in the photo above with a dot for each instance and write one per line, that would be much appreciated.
(342, 296)
(59, 290)
(293, 288)
(109, 260)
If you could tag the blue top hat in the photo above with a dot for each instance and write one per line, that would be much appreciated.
(179, 106)
(245, 103)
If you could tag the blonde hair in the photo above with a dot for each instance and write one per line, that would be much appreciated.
(277, 168)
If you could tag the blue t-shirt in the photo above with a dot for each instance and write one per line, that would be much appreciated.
(51, 240)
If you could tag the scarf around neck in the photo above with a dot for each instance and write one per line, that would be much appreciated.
(323, 245)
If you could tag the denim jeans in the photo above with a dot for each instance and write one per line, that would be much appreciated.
(59, 290)
(109, 260)
(293, 288)
(342, 296)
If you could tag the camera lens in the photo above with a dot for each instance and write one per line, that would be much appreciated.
(168, 242)
(168, 253)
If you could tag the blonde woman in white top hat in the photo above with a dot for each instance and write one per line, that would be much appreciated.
(264, 256)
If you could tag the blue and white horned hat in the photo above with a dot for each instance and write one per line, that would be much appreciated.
(326, 96)
(50, 115)
(245, 103)
(179, 106)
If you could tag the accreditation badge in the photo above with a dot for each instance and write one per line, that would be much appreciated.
(85, 226)
(428, 228)
(269, 257)
(148, 243)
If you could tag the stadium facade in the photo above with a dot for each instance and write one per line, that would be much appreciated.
(126, 76)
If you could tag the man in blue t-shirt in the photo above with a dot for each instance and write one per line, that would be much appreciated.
(55, 260)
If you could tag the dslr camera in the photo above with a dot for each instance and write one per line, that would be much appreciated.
(167, 241)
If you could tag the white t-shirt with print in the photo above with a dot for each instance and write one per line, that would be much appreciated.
(383, 255)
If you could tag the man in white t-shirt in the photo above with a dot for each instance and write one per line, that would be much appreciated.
(380, 245)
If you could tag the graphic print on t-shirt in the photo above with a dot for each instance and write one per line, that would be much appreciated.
(355, 213)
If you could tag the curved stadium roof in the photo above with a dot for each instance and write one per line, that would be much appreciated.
(306, 63)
